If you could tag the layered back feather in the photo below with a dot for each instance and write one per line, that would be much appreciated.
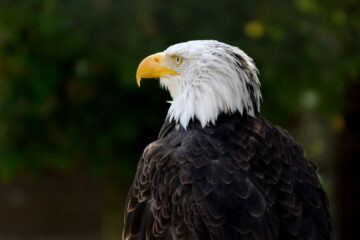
(242, 178)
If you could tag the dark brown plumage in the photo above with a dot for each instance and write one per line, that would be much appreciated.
(242, 178)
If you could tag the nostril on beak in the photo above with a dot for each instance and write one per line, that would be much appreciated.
(157, 58)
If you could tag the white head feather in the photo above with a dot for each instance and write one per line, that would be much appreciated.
(213, 78)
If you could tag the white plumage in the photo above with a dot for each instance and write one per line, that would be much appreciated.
(209, 81)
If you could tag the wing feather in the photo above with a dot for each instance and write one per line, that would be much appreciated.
(241, 179)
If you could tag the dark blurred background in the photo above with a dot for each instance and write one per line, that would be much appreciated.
(73, 123)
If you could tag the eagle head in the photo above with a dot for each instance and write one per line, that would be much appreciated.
(205, 78)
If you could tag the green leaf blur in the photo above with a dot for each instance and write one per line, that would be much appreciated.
(67, 70)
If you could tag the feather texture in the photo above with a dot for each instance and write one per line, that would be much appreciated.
(242, 178)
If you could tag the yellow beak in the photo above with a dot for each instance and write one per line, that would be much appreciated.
(151, 67)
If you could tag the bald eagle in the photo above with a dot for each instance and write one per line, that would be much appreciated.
(218, 169)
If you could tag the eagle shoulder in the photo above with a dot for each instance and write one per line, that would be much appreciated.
(241, 179)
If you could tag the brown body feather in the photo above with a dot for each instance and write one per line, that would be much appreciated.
(242, 178)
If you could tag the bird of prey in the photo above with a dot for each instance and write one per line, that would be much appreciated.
(219, 170)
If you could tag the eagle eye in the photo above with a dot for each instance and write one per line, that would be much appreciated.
(177, 59)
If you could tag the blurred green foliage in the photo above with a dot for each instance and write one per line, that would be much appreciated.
(67, 70)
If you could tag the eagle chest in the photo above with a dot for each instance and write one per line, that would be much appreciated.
(168, 178)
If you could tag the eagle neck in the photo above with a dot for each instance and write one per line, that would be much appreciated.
(194, 104)
(205, 105)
